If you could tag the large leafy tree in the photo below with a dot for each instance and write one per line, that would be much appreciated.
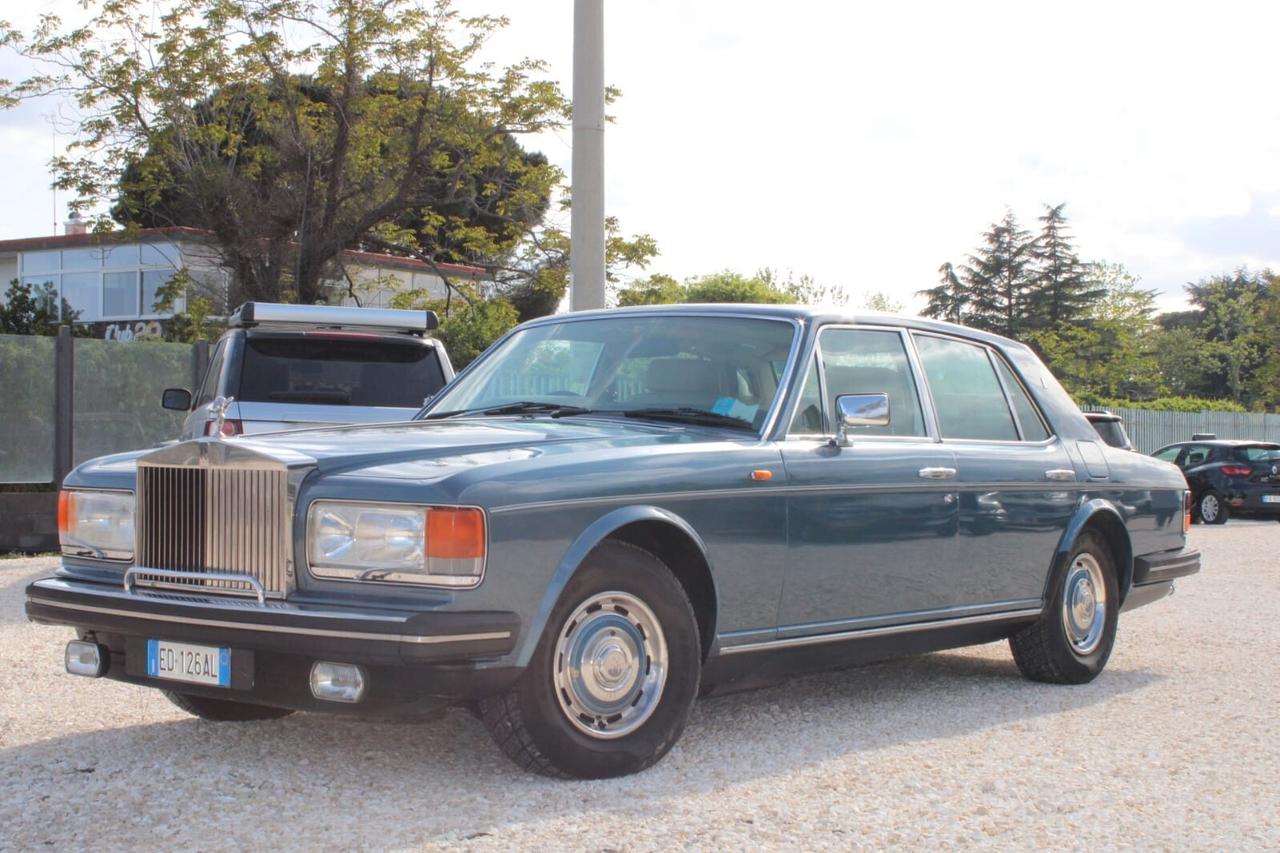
(295, 129)
(1230, 307)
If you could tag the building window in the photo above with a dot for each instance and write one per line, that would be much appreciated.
(116, 282)
(120, 294)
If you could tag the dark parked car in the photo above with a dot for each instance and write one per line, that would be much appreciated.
(609, 512)
(1228, 476)
(1110, 428)
(291, 366)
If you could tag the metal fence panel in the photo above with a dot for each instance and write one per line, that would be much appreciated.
(117, 394)
(26, 409)
(1150, 430)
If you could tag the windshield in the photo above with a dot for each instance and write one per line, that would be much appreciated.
(727, 366)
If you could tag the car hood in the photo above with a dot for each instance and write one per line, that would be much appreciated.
(429, 450)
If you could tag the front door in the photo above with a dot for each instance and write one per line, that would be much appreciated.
(869, 523)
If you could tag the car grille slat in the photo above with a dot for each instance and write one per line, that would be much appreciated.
(225, 520)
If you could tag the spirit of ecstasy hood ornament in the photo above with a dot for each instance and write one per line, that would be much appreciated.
(218, 408)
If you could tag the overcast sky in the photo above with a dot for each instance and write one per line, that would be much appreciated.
(865, 144)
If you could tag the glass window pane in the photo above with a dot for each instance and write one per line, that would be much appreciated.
(338, 372)
(209, 387)
(117, 390)
(808, 419)
(1029, 419)
(161, 254)
(82, 259)
(44, 289)
(1169, 454)
(125, 255)
(152, 281)
(120, 294)
(863, 361)
(26, 427)
(82, 291)
(965, 391)
(33, 262)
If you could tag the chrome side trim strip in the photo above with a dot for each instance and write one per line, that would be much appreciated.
(888, 630)
(417, 639)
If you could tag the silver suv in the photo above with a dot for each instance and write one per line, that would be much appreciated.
(292, 366)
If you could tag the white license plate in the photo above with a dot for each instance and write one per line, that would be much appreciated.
(190, 663)
(1271, 499)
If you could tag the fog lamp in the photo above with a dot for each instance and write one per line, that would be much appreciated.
(85, 658)
(337, 682)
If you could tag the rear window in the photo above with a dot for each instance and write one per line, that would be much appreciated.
(1112, 432)
(339, 372)
(1258, 454)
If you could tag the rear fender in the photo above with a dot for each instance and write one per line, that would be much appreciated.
(1103, 516)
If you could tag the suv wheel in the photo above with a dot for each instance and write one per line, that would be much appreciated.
(613, 678)
(1211, 508)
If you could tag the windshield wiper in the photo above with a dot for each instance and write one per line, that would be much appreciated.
(555, 410)
(688, 414)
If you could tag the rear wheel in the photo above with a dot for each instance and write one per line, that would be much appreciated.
(1211, 508)
(1072, 640)
(224, 710)
(613, 678)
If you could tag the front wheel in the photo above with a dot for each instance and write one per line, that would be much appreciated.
(1072, 639)
(612, 681)
(1211, 508)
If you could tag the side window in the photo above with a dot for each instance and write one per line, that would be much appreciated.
(1197, 454)
(1169, 454)
(209, 388)
(965, 390)
(808, 418)
(867, 361)
(1033, 428)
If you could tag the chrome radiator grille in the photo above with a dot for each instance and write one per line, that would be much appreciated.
(213, 520)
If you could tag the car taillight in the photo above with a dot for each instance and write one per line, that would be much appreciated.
(1186, 512)
(230, 427)
(1236, 470)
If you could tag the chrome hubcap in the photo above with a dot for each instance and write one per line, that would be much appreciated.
(1084, 604)
(610, 665)
(1208, 507)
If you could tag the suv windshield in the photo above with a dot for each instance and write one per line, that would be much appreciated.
(339, 371)
(715, 370)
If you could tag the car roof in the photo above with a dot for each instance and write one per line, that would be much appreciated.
(1225, 442)
(818, 314)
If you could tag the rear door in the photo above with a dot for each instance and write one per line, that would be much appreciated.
(1017, 483)
(289, 380)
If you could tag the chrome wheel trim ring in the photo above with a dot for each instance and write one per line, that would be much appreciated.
(1209, 508)
(1084, 604)
(610, 665)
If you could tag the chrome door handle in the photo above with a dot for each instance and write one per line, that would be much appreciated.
(1060, 474)
(938, 473)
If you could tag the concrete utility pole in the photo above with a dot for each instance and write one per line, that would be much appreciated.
(586, 224)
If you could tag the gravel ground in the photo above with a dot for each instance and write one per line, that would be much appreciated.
(1173, 747)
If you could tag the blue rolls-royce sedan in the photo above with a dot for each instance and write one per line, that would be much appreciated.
(609, 512)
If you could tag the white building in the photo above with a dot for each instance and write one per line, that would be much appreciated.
(112, 282)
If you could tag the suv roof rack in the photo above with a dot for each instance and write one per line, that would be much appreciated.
(333, 317)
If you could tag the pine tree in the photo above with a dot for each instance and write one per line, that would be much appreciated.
(1061, 290)
(998, 279)
(947, 300)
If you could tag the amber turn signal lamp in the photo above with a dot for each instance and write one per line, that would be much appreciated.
(762, 474)
(1186, 512)
(66, 509)
(455, 533)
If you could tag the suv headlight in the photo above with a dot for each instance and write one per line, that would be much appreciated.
(397, 543)
(96, 524)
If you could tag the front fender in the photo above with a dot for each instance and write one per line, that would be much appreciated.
(1104, 515)
(595, 533)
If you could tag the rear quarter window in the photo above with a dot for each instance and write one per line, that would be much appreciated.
(339, 372)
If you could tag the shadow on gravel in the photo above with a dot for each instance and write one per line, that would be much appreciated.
(335, 782)
(14, 577)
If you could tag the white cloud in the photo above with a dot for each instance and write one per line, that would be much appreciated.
(866, 144)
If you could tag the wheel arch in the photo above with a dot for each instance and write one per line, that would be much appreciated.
(1101, 516)
(664, 534)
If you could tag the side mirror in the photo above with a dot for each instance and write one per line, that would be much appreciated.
(177, 399)
(855, 411)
